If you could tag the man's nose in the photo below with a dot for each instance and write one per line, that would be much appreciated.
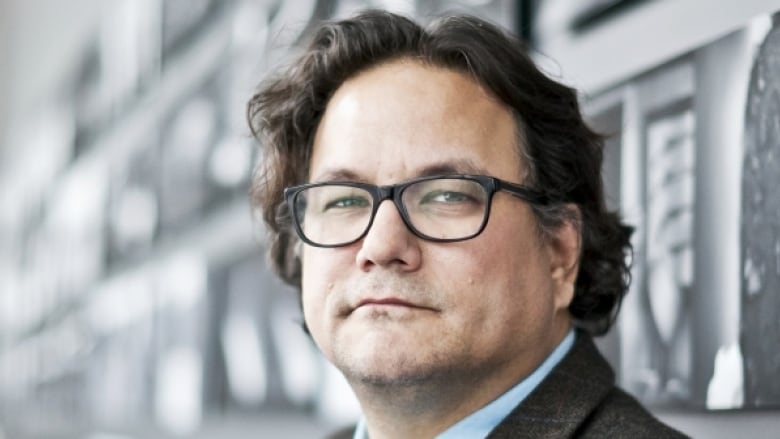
(389, 242)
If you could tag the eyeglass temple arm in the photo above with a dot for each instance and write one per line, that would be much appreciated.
(524, 193)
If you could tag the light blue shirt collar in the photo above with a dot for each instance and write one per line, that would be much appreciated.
(480, 423)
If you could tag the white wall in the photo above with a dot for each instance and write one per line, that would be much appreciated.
(645, 36)
(4, 64)
(38, 40)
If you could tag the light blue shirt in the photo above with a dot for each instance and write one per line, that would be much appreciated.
(480, 423)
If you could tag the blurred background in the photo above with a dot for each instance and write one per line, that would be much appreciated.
(135, 301)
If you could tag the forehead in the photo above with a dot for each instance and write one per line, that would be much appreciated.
(399, 119)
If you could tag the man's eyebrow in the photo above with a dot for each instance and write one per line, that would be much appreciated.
(463, 166)
(339, 174)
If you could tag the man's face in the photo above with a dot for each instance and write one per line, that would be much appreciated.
(393, 308)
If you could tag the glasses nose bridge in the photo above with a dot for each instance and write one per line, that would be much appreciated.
(389, 192)
(393, 193)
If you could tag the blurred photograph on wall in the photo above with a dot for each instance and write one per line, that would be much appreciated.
(699, 155)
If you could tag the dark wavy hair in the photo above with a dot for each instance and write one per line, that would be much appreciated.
(563, 154)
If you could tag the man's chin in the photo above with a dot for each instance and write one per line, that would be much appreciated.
(395, 379)
(387, 370)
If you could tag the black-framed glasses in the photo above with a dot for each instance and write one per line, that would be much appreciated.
(441, 208)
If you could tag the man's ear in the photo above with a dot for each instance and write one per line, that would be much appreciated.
(564, 244)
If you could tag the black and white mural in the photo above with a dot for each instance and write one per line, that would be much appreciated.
(760, 249)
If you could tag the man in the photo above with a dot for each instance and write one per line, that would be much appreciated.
(438, 201)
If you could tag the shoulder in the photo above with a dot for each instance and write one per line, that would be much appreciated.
(579, 398)
(620, 415)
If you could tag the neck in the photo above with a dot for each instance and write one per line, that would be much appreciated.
(424, 408)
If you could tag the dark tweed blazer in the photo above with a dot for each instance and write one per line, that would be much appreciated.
(577, 399)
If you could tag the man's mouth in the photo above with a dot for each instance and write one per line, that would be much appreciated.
(390, 301)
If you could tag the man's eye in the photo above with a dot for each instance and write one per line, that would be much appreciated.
(447, 197)
(347, 203)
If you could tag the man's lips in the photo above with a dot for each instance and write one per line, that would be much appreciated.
(386, 301)
(390, 301)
